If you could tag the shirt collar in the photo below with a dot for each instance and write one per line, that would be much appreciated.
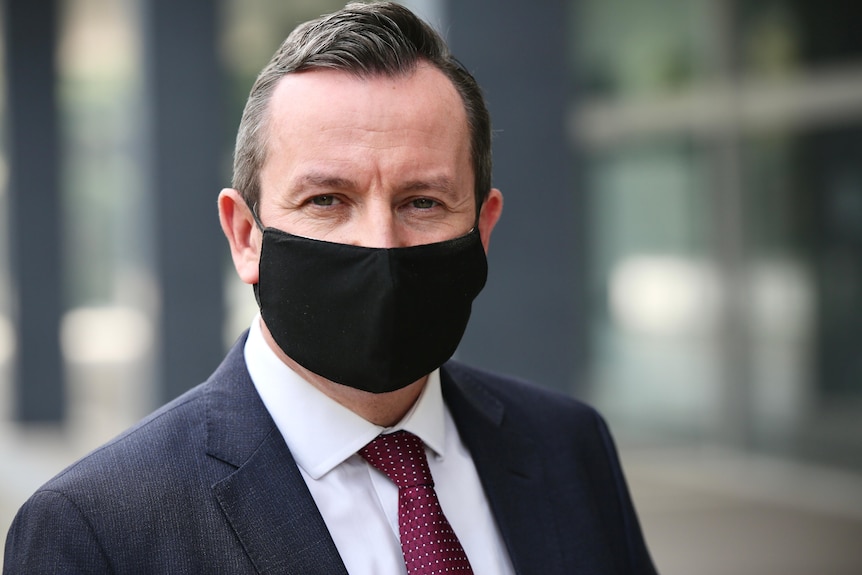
(320, 432)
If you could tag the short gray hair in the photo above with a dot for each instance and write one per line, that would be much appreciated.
(381, 38)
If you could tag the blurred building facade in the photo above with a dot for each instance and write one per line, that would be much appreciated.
(681, 244)
(720, 142)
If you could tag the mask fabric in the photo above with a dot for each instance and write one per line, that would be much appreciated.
(376, 319)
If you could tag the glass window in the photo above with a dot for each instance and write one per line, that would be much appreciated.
(720, 140)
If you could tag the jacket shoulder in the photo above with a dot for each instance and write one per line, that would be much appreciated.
(519, 396)
(142, 502)
(565, 442)
(162, 439)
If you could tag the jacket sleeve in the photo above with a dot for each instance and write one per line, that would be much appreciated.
(50, 534)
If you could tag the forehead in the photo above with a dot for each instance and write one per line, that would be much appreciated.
(315, 102)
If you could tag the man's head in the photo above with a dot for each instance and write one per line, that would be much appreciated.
(364, 40)
(363, 144)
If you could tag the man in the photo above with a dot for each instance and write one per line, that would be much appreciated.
(361, 211)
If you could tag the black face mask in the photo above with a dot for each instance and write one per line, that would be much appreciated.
(376, 319)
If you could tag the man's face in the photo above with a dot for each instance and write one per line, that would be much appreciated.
(377, 162)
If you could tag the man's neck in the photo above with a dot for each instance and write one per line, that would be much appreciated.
(384, 409)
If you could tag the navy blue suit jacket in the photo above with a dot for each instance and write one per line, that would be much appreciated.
(206, 484)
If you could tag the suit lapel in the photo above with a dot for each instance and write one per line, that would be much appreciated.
(265, 500)
(511, 472)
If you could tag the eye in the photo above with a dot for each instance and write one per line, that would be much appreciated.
(323, 200)
(423, 203)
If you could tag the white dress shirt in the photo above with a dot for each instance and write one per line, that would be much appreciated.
(359, 504)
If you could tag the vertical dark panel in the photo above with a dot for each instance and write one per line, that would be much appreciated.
(526, 321)
(832, 178)
(185, 145)
(34, 207)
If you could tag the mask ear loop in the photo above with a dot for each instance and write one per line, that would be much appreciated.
(253, 209)
(256, 286)
(479, 203)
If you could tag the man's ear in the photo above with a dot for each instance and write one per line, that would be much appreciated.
(243, 235)
(491, 210)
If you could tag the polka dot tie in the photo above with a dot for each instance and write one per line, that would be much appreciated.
(427, 541)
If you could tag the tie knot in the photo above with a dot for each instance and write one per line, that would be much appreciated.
(401, 456)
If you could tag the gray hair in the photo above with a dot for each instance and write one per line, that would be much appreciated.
(364, 39)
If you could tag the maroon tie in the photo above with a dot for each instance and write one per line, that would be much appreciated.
(427, 541)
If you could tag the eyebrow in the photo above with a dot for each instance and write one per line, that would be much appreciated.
(326, 181)
(442, 184)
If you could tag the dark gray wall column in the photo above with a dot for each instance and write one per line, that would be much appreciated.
(525, 322)
(184, 90)
(34, 207)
